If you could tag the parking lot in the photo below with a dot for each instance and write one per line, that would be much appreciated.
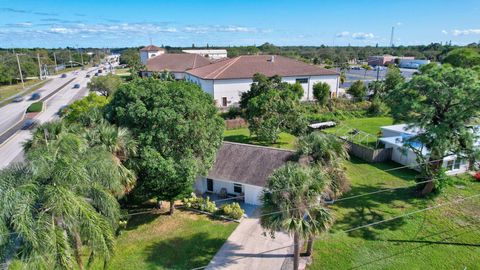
(371, 75)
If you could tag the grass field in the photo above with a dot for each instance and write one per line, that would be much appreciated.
(158, 241)
(442, 238)
(242, 135)
(8, 91)
(370, 126)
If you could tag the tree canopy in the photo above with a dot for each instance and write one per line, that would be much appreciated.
(321, 92)
(443, 102)
(105, 85)
(358, 90)
(178, 129)
(463, 57)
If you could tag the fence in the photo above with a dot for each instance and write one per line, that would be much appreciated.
(368, 154)
(235, 123)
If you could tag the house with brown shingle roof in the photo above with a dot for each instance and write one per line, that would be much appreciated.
(242, 170)
(226, 80)
(177, 63)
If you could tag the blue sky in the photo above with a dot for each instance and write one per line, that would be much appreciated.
(116, 23)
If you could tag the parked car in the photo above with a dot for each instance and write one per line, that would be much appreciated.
(64, 75)
(29, 124)
(96, 74)
(77, 85)
(356, 68)
(35, 96)
(18, 98)
(99, 71)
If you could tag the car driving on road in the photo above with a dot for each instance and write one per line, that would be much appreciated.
(64, 75)
(30, 124)
(77, 85)
(35, 96)
(18, 98)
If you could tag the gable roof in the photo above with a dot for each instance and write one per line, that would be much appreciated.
(248, 164)
(150, 48)
(245, 66)
(176, 62)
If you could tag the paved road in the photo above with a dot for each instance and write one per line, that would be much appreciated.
(248, 248)
(11, 150)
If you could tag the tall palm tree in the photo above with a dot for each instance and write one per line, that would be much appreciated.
(65, 200)
(291, 203)
(327, 153)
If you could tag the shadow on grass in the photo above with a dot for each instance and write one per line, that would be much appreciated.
(138, 220)
(379, 207)
(252, 140)
(186, 252)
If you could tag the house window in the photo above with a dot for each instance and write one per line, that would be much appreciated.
(224, 101)
(209, 185)
(457, 163)
(237, 188)
(450, 164)
(301, 80)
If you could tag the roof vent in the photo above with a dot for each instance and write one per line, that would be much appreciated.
(272, 59)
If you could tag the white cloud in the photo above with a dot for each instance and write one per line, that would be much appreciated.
(362, 35)
(343, 34)
(444, 32)
(465, 32)
(399, 23)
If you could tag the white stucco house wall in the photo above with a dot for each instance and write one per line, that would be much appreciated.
(214, 54)
(242, 170)
(226, 80)
(396, 136)
(149, 52)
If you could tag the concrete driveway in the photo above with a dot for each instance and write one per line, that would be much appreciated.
(248, 248)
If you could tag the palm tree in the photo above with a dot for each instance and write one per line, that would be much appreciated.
(291, 203)
(327, 153)
(66, 199)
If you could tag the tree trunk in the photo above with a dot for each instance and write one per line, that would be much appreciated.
(434, 168)
(78, 250)
(296, 250)
(172, 207)
(309, 251)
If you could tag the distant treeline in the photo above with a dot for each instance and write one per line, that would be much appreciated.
(331, 55)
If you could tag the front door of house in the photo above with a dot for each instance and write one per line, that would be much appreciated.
(209, 185)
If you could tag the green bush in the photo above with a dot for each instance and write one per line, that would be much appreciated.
(378, 107)
(233, 210)
(35, 107)
(200, 204)
(232, 113)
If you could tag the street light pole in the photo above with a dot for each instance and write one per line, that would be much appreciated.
(55, 59)
(70, 53)
(39, 67)
(20, 71)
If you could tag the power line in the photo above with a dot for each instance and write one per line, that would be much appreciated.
(364, 226)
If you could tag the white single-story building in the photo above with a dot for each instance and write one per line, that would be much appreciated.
(177, 63)
(396, 137)
(214, 54)
(242, 170)
(150, 51)
(226, 80)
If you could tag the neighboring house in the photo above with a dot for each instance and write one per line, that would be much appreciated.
(177, 63)
(214, 54)
(226, 80)
(150, 51)
(242, 170)
(396, 136)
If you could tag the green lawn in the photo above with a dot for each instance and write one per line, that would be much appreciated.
(158, 241)
(443, 238)
(242, 135)
(370, 125)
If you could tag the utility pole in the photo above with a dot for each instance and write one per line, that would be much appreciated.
(70, 54)
(55, 59)
(20, 71)
(39, 67)
(81, 56)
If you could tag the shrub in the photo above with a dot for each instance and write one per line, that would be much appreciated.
(232, 113)
(200, 204)
(378, 107)
(35, 107)
(233, 210)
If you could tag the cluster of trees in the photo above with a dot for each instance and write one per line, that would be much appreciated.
(148, 140)
(271, 107)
